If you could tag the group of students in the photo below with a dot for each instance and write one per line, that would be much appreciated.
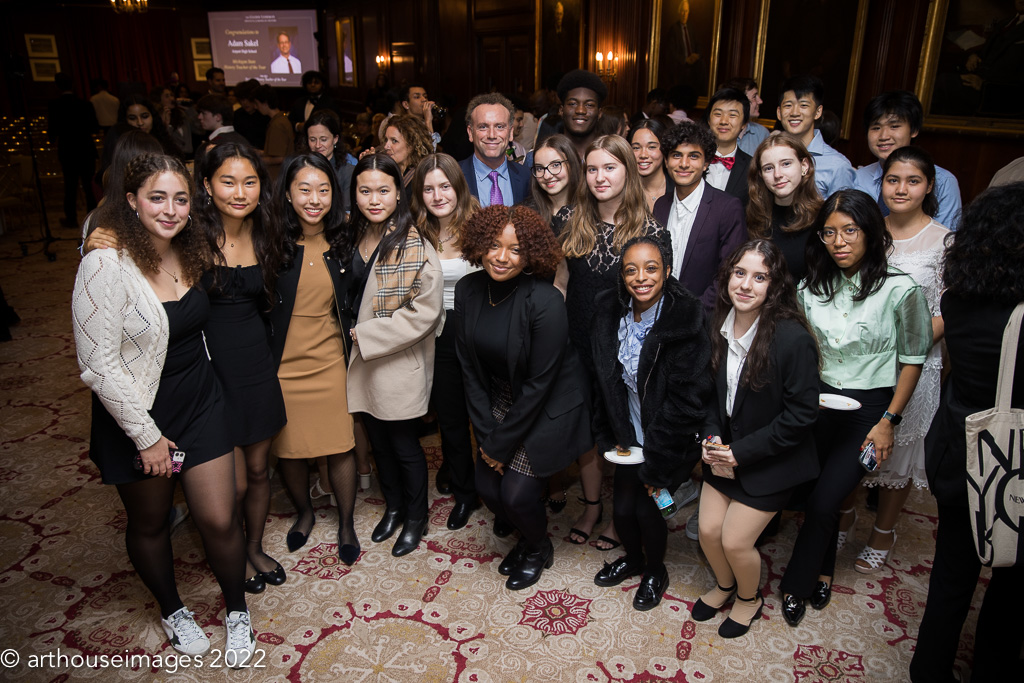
(233, 320)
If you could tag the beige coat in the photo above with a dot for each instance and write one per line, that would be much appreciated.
(391, 369)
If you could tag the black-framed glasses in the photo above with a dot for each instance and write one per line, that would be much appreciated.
(554, 168)
(849, 235)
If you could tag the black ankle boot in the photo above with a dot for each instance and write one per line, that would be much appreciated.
(412, 531)
(533, 564)
(387, 525)
(514, 557)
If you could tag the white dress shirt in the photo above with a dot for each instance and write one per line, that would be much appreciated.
(718, 174)
(680, 223)
(738, 349)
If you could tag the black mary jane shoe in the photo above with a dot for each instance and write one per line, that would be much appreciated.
(276, 576)
(502, 529)
(618, 571)
(533, 564)
(296, 539)
(412, 531)
(731, 628)
(387, 525)
(821, 596)
(255, 584)
(652, 588)
(459, 515)
(793, 609)
(702, 611)
(514, 557)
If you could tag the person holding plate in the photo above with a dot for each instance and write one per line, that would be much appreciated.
(652, 358)
(765, 363)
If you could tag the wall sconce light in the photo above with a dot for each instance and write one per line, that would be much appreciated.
(607, 66)
(382, 62)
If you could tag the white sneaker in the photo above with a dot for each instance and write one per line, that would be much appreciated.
(184, 633)
(686, 493)
(693, 527)
(241, 640)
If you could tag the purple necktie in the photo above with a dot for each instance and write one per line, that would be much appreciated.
(496, 198)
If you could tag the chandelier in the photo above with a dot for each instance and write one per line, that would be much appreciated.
(129, 6)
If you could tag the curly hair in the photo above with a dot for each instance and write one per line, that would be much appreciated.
(564, 147)
(579, 237)
(779, 304)
(416, 136)
(663, 248)
(822, 270)
(465, 203)
(806, 200)
(689, 133)
(984, 256)
(266, 240)
(919, 158)
(538, 248)
(336, 231)
(132, 236)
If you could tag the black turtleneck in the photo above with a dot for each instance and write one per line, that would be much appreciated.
(494, 324)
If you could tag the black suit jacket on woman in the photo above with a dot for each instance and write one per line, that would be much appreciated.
(550, 414)
(288, 283)
(673, 378)
(772, 429)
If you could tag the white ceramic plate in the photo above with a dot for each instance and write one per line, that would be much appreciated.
(635, 457)
(838, 402)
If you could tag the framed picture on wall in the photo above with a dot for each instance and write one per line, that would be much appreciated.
(559, 40)
(44, 70)
(971, 75)
(343, 29)
(41, 45)
(200, 66)
(685, 36)
(201, 48)
(812, 37)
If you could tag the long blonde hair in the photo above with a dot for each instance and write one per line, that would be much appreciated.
(465, 203)
(579, 237)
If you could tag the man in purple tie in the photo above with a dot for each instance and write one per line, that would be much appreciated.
(492, 179)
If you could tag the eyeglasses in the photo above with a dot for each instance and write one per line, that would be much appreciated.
(554, 168)
(849, 235)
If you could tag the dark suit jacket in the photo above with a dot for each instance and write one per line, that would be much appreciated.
(772, 429)
(71, 123)
(518, 177)
(718, 229)
(738, 186)
(550, 412)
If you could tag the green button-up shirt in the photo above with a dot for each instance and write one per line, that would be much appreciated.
(864, 342)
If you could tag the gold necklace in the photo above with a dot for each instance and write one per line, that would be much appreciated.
(173, 276)
(491, 301)
(441, 243)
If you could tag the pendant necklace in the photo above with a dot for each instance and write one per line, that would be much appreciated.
(491, 301)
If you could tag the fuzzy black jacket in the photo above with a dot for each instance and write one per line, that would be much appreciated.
(674, 380)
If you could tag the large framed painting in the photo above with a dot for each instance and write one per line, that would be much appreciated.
(971, 75)
(559, 40)
(685, 36)
(346, 51)
(817, 37)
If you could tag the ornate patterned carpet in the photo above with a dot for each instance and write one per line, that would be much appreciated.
(68, 594)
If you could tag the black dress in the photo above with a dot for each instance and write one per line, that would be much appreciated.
(237, 339)
(189, 404)
(791, 244)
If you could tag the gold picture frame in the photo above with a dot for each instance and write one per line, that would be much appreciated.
(200, 67)
(657, 30)
(344, 33)
(41, 45)
(44, 70)
(937, 84)
(762, 56)
(201, 48)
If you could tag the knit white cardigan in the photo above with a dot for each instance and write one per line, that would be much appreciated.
(121, 333)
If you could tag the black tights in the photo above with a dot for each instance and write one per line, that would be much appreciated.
(210, 492)
(638, 520)
(252, 491)
(518, 500)
(341, 470)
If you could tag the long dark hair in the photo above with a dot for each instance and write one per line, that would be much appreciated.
(159, 130)
(329, 120)
(335, 232)
(779, 304)
(392, 242)
(266, 241)
(130, 145)
(822, 270)
(919, 158)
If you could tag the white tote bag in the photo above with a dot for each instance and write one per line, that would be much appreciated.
(995, 465)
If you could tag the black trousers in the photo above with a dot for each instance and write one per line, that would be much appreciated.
(77, 172)
(448, 397)
(1000, 632)
(638, 521)
(838, 436)
(517, 499)
(401, 464)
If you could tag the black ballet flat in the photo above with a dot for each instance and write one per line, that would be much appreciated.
(387, 525)
(348, 553)
(821, 596)
(255, 584)
(274, 577)
(793, 609)
(297, 539)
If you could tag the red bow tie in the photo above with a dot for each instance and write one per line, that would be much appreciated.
(724, 161)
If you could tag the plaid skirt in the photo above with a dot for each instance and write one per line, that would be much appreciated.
(501, 403)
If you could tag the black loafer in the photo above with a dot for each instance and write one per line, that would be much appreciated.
(512, 560)
(412, 531)
(652, 588)
(387, 525)
(618, 571)
(529, 570)
(502, 529)
(821, 596)
(275, 577)
(255, 584)
(459, 515)
(793, 609)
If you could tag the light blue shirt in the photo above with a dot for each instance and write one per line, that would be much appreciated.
(752, 137)
(832, 171)
(631, 343)
(947, 191)
(483, 183)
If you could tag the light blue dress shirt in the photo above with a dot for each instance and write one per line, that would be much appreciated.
(753, 136)
(832, 171)
(947, 191)
(483, 183)
(631, 343)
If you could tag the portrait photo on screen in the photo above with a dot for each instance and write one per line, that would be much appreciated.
(272, 46)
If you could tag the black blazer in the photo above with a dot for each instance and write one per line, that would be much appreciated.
(772, 430)
(288, 283)
(518, 177)
(550, 415)
(738, 185)
(674, 381)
